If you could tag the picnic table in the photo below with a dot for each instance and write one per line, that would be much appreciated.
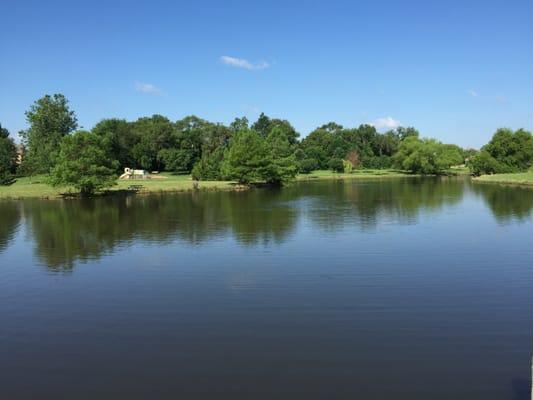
(135, 188)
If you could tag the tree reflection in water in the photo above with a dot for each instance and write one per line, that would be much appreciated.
(68, 231)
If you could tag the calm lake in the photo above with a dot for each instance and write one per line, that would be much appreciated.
(393, 289)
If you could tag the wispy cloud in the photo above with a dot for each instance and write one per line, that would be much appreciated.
(147, 88)
(385, 123)
(498, 99)
(242, 63)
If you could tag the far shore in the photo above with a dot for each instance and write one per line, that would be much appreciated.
(516, 179)
(36, 187)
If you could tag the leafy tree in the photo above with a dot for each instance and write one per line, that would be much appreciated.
(484, 163)
(425, 156)
(175, 160)
(336, 165)
(7, 157)
(262, 125)
(154, 134)
(513, 150)
(282, 165)
(209, 166)
(239, 124)
(307, 165)
(50, 120)
(193, 134)
(404, 132)
(84, 163)
(120, 136)
(246, 158)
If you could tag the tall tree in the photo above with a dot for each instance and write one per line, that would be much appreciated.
(262, 125)
(7, 157)
(246, 158)
(120, 136)
(282, 165)
(153, 135)
(50, 120)
(84, 163)
(426, 156)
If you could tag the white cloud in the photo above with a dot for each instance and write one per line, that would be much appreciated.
(473, 93)
(242, 63)
(147, 88)
(386, 122)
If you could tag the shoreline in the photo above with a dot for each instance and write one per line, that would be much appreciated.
(37, 188)
(521, 179)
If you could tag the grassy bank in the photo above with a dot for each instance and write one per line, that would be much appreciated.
(37, 187)
(356, 174)
(522, 179)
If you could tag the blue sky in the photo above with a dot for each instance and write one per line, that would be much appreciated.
(456, 70)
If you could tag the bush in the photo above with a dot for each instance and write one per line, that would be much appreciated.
(426, 156)
(347, 166)
(84, 164)
(336, 165)
(484, 163)
(208, 167)
(307, 165)
(513, 151)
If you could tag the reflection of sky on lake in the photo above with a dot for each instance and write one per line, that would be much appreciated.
(348, 283)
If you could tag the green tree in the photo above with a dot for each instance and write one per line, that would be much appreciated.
(426, 156)
(120, 136)
(262, 125)
(239, 124)
(7, 157)
(336, 165)
(84, 163)
(50, 120)
(307, 165)
(208, 168)
(153, 134)
(175, 160)
(484, 163)
(512, 150)
(282, 165)
(246, 158)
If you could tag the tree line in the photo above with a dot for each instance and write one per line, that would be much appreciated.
(268, 150)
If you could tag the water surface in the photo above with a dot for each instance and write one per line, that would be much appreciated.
(405, 289)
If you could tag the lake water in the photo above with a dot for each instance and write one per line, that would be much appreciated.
(393, 289)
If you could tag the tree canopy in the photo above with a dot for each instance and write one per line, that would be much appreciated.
(426, 156)
(506, 152)
(7, 157)
(84, 164)
(267, 150)
(50, 120)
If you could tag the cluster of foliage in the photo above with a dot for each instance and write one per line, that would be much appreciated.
(267, 150)
(363, 147)
(50, 120)
(506, 152)
(83, 163)
(7, 157)
(427, 156)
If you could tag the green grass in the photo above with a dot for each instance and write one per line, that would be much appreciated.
(356, 174)
(37, 187)
(29, 187)
(522, 178)
(459, 170)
